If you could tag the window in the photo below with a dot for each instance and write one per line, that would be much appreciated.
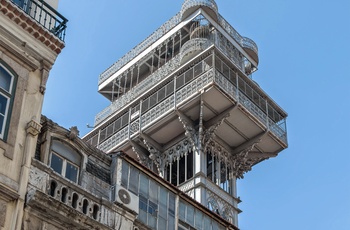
(64, 167)
(6, 97)
(65, 161)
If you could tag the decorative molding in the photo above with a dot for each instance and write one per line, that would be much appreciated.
(157, 157)
(142, 156)
(209, 133)
(33, 127)
(38, 179)
(44, 70)
(73, 133)
(190, 131)
(8, 194)
(178, 150)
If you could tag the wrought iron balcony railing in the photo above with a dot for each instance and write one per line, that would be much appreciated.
(264, 111)
(45, 15)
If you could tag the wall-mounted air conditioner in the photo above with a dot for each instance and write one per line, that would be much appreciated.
(125, 198)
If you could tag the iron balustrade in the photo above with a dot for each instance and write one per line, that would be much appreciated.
(45, 15)
(185, 93)
(165, 28)
(191, 46)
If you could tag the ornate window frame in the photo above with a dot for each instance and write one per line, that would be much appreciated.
(7, 93)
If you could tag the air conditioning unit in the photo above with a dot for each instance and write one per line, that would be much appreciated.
(127, 199)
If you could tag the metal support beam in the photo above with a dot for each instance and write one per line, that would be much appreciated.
(190, 130)
(152, 142)
(213, 124)
(249, 143)
(220, 117)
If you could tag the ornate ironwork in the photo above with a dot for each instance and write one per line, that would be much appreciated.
(159, 159)
(243, 41)
(45, 15)
(186, 93)
(188, 4)
(239, 163)
(276, 128)
(209, 133)
(178, 150)
(167, 26)
(118, 138)
(160, 110)
(193, 45)
(139, 89)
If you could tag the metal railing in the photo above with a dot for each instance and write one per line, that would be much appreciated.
(45, 15)
(181, 95)
(166, 27)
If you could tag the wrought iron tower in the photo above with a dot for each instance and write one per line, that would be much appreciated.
(184, 104)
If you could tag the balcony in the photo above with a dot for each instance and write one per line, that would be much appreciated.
(45, 15)
(61, 198)
(263, 110)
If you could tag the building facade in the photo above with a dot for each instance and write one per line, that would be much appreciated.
(184, 104)
(73, 185)
(31, 36)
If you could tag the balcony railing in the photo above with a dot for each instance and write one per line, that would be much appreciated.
(185, 93)
(188, 50)
(45, 15)
(166, 27)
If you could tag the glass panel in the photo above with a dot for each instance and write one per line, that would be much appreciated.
(1, 123)
(188, 75)
(143, 216)
(171, 204)
(144, 185)
(152, 208)
(190, 215)
(143, 203)
(182, 211)
(206, 223)
(199, 219)
(3, 104)
(71, 172)
(125, 174)
(5, 79)
(162, 224)
(163, 202)
(180, 81)
(171, 223)
(215, 225)
(161, 94)
(56, 163)
(152, 221)
(153, 195)
(134, 180)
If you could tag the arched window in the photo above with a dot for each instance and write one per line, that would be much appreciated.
(6, 97)
(65, 160)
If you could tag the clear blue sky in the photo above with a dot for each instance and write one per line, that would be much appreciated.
(304, 66)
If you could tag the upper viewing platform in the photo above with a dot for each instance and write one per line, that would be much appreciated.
(188, 8)
(44, 13)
